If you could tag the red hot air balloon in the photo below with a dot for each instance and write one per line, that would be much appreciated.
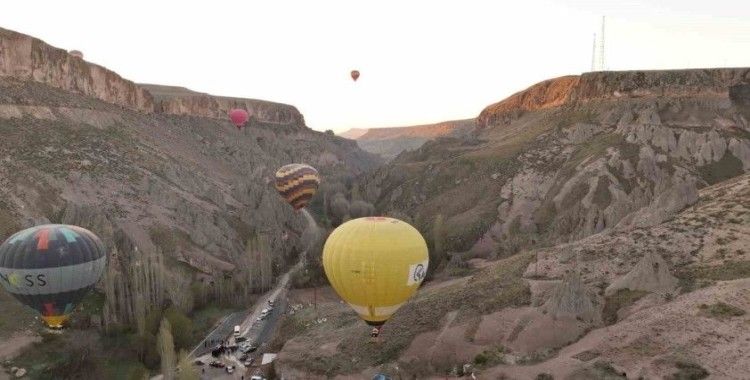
(355, 75)
(239, 117)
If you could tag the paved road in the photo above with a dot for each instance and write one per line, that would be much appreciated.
(257, 332)
(224, 328)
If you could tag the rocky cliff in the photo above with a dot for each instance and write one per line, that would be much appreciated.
(576, 90)
(181, 101)
(390, 142)
(27, 58)
(575, 156)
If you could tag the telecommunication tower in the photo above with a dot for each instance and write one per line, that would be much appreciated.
(593, 54)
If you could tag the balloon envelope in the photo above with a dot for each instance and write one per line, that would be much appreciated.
(375, 264)
(239, 117)
(50, 268)
(355, 75)
(297, 183)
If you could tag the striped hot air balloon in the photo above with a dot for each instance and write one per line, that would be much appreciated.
(50, 268)
(297, 183)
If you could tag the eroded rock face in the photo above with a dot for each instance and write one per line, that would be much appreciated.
(27, 58)
(181, 101)
(651, 274)
(573, 157)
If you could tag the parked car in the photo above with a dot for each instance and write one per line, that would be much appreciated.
(257, 377)
(248, 347)
(237, 330)
(230, 368)
(240, 339)
(217, 364)
(248, 362)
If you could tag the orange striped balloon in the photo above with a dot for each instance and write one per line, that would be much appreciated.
(297, 183)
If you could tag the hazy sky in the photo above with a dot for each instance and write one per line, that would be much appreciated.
(421, 61)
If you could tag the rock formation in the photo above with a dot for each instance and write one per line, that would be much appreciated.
(570, 299)
(651, 274)
(575, 156)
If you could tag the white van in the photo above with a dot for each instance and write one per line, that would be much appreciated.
(237, 330)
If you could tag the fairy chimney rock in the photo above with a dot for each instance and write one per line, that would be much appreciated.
(651, 274)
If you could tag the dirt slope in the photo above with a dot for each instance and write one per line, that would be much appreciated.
(518, 318)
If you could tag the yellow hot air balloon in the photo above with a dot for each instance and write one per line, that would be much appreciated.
(375, 264)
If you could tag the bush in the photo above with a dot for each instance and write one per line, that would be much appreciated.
(722, 310)
(481, 359)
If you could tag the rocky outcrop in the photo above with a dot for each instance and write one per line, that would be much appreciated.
(568, 159)
(651, 274)
(27, 58)
(570, 299)
(181, 101)
(617, 85)
(546, 94)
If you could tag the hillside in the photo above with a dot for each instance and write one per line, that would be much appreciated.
(574, 156)
(390, 142)
(162, 176)
(555, 310)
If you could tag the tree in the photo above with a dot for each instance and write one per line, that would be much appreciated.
(165, 345)
(187, 371)
(258, 253)
(360, 209)
(182, 327)
(339, 209)
(437, 254)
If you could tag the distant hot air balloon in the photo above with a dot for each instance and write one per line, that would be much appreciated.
(50, 268)
(375, 264)
(239, 117)
(297, 183)
(76, 53)
(355, 75)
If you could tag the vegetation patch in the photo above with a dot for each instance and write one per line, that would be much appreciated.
(491, 357)
(601, 370)
(721, 310)
(728, 167)
(695, 277)
(623, 298)
(688, 371)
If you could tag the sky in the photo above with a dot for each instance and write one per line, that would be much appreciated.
(421, 61)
